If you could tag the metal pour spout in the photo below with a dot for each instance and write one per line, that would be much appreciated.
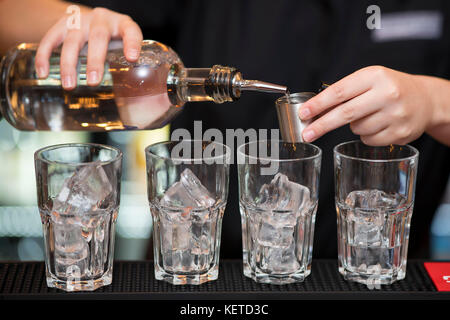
(226, 83)
(261, 86)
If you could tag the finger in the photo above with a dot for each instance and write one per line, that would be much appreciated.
(69, 58)
(370, 125)
(345, 89)
(132, 37)
(382, 138)
(352, 110)
(99, 37)
(52, 39)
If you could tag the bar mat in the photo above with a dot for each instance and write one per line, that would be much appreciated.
(135, 280)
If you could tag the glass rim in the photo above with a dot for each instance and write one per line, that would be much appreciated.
(38, 154)
(226, 155)
(399, 159)
(316, 148)
(283, 98)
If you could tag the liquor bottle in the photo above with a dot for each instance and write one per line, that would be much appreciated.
(146, 94)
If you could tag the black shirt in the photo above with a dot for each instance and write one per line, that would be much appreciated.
(298, 44)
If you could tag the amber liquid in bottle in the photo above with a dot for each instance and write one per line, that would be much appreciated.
(130, 96)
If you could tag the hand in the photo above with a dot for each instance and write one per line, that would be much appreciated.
(98, 26)
(382, 106)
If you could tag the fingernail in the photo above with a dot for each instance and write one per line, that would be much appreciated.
(308, 135)
(133, 54)
(41, 72)
(93, 77)
(304, 113)
(68, 82)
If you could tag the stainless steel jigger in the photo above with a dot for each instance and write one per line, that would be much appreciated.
(291, 126)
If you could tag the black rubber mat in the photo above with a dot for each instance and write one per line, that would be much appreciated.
(135, 280)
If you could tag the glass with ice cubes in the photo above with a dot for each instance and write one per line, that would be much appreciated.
(374, 189)
(278, 194)
(187, 190)
(78, 187)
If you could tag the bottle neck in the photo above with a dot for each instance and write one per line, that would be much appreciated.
(217, 84)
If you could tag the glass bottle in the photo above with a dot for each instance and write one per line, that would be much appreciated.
(146, 94)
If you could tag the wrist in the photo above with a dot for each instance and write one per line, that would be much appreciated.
(437, 91)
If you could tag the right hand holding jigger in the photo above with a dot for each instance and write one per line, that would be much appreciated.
(382, 106)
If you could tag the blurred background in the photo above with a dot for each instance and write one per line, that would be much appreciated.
(21, 236)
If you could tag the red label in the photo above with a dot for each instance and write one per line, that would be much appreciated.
(439, 272)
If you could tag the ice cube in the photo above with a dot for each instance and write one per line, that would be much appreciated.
(186, 221)
(374, 269)
(181, 236)
(70, 246)
(389, 200)
(369, 199)
(374, 280)
(368, 226)
(175, 230)
(282, 194)
(187, 193)
(368, 212)
(283, 202)
(73, 225)
(362, 268)
(279, 260)
(275, 234)
(83, 192)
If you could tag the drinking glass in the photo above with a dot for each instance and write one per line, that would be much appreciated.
(278, 194)
(187, 191)
(78, 188)
(374, 189)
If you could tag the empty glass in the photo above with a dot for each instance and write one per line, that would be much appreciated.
(78, 187)
(278, 191)
(187, 191)
(374, 200)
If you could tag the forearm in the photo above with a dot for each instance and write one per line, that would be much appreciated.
(439, 92)
(28, 20)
